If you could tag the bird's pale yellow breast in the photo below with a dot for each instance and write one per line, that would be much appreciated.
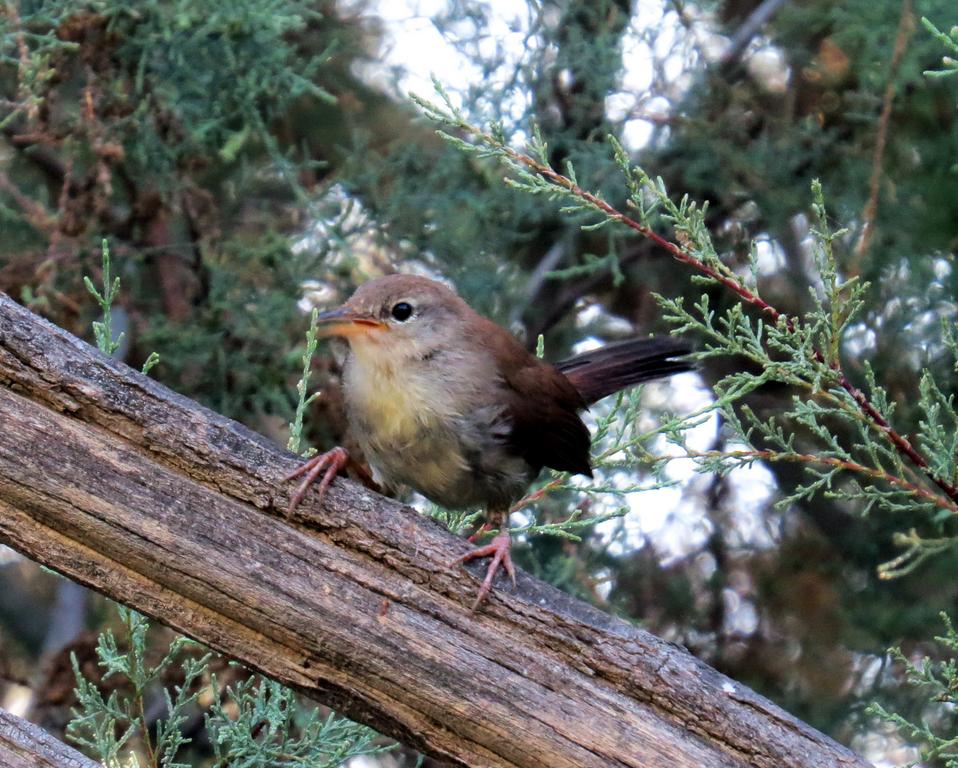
(406, 424)
(395, 401)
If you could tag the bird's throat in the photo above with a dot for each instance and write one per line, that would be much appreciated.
(389, 399)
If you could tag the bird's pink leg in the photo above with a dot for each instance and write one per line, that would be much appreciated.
(328, 464)
(498, 550)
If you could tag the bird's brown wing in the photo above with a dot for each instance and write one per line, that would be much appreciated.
(542, 406)
(546, 428)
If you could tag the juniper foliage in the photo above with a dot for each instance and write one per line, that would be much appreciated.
(249, 723)
(935, 680)
(804, 353)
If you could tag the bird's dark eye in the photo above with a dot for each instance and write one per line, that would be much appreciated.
(402, 311)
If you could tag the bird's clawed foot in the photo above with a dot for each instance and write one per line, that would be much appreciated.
(327, 464)
(498, 550)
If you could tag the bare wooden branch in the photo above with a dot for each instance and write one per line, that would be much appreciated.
(25, 745)
(147, 497)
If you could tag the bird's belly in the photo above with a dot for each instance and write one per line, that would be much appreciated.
(445, 461)
(428, 461)
(416, 433)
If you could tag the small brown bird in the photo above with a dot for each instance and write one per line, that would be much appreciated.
(448, 403)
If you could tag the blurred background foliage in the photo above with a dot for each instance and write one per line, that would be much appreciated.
(244, 159)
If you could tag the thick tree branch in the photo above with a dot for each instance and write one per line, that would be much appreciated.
(25, 745)
(146, 496)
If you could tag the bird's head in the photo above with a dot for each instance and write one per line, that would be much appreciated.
(397, 317)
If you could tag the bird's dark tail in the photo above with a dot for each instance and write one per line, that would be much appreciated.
(624, 364)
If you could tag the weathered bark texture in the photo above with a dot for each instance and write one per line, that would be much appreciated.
(157, 502)
(25, 745)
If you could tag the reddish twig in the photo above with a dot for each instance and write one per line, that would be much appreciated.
(901, 443)
(905, 27)
(531, 498)
(34, 212)
(831, 461)
(674, 250)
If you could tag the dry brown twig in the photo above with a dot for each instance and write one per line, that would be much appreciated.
(906, 25)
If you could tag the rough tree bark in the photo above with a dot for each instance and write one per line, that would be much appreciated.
(148, 497)
(25, 745)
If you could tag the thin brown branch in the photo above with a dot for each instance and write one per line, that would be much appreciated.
(900, 442)
(539, 493)
(34, 213)
(906, 25)
(847, 465)
(676, 251)
(37, 148)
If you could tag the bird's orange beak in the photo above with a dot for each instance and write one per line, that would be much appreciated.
(345, 322)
